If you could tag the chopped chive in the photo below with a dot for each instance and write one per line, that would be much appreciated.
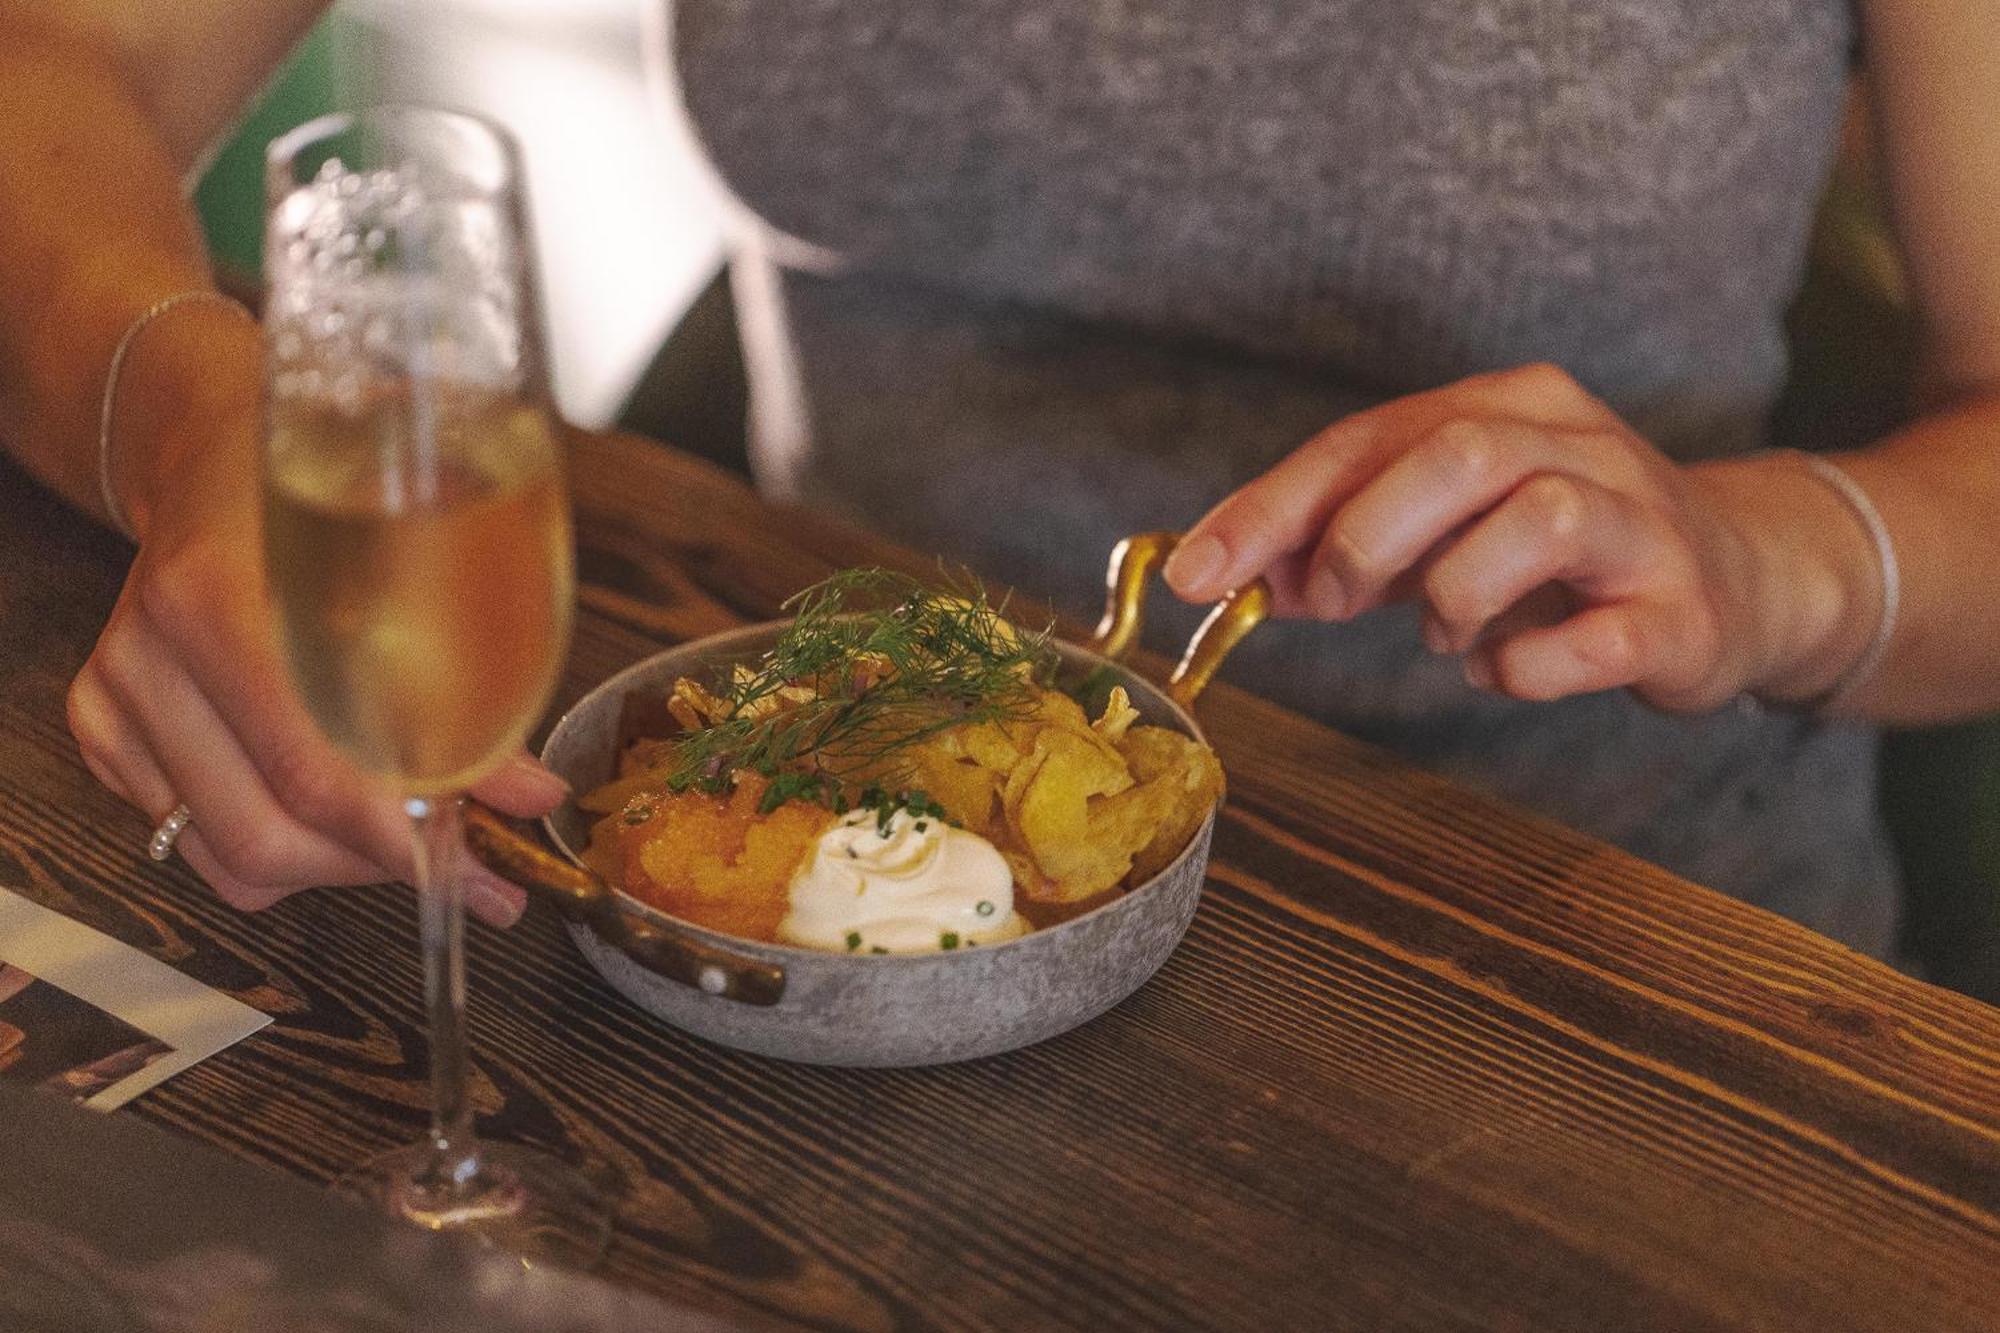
(948, 940)
(853, 940)
(985, 907)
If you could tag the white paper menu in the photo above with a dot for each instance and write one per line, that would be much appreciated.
(97, 1021)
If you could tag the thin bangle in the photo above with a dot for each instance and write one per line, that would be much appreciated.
(114, 508)
(1870, 658)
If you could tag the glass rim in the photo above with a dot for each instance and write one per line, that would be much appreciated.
(286, 147)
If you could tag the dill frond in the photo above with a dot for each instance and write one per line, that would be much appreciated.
(892, 662)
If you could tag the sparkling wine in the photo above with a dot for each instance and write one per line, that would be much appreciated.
(421, 560)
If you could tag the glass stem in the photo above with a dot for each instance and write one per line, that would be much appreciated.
(441, 909)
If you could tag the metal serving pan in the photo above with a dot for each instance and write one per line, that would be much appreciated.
(876, 1010)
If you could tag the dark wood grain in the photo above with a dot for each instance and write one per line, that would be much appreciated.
(1423, 1061)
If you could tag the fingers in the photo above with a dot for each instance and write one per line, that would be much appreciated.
(197, 614)
(1446, 479)
(522, 787)
(1538, 394)
(1551, 528)
(1628, 609)
(118, 757)
(110, 750)
(149, 734)
(253, 837)
(1650, 644)
(1601, 648)
(1286, 510)
(1279, 513)
(1546, 539)
(494, 900)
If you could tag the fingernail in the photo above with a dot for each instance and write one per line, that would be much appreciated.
(1196, 564)
(530, 773)
(1325, 597)
(492, 899)
(1478, 672)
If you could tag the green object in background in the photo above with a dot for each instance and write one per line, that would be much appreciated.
(230, 197)
(1941, 799)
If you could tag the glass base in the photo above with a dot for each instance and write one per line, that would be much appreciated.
(522, 1203)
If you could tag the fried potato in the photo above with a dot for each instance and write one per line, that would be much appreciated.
(694, 707)
(968, 790)
(1048, 803)
(987, 744)
(1119, 715)
(1188, 779)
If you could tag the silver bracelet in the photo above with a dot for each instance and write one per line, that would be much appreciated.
(1864, 509)
(113, 506)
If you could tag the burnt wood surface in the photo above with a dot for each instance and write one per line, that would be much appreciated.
(1423, 1061)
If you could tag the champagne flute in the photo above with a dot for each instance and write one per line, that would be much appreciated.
(417, 541)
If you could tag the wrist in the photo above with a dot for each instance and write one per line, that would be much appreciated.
(1811, 598)
(183, 406)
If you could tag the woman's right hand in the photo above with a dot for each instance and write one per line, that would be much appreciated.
(185, 701)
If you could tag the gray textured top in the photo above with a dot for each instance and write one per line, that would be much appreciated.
(1098, 263)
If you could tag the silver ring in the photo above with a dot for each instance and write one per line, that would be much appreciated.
(162, 845)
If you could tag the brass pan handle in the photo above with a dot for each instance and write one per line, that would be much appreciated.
(581, 896)
(1135, 558)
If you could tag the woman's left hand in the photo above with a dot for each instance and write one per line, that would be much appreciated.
(1547, 542)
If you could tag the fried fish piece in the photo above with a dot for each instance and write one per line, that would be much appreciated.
(717, 861)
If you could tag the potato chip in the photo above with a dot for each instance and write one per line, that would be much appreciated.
(1051, 813)
(968, 790)
(694, 707)
(1188, 775)
(1119, 715)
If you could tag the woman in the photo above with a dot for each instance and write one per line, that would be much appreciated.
(1470, 312)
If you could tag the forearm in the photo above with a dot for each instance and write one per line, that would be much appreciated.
(94, 229)
(1815, 592)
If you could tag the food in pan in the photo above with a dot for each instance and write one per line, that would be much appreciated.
(902, 772)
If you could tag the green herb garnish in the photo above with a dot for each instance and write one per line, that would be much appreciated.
(853, 940)
(893, 662)
(948, 940)
(797, 786)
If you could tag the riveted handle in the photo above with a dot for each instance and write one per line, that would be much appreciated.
(1133, 560)
(583, 897)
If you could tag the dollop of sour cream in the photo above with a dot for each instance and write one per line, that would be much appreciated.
(910, 883)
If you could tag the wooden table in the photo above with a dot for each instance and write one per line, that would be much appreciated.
(1423, 1061)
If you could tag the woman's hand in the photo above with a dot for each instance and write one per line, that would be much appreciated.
(185, 701)
(1547, 542)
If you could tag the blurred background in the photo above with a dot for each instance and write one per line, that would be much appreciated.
(624, 216)
(641, 332)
